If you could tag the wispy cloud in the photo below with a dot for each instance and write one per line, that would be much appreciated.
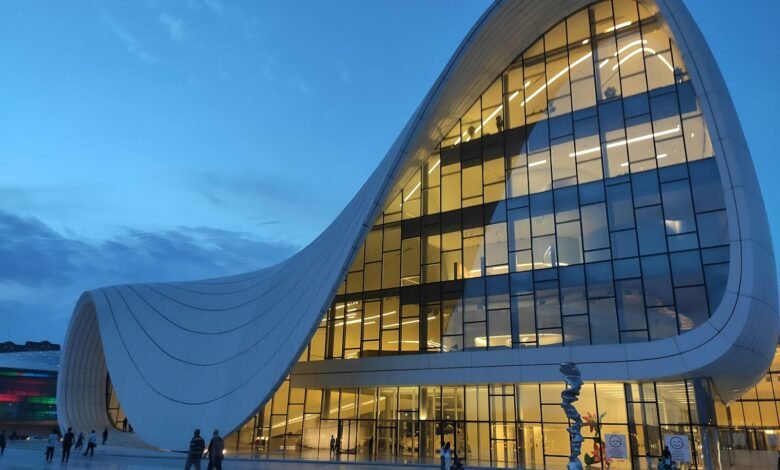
(174, 26)
(43, 271)
(301, 86)
(215, 5)
(132, 43)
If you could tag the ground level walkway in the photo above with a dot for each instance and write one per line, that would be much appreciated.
(30, 455)
(27, 458)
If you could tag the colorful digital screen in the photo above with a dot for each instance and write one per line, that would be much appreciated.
(28, 396)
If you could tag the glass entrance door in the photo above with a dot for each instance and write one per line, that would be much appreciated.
(530, 446)
(348, 436)
(408, 435)
(453, 432)
(385, 441)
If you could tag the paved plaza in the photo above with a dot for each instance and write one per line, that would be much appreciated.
(29, 458)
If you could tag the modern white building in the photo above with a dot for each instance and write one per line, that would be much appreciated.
(575, 187)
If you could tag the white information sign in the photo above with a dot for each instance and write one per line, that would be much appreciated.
(616, 446)
(679, 447)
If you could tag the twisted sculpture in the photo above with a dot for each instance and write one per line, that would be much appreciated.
(573, 379)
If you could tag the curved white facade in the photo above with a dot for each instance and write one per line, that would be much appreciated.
(208, 353)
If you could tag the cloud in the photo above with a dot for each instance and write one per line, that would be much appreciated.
(215, 6)
(43, 272)
(301, 86)
(255, 190)
(132, 44)
(174, 26)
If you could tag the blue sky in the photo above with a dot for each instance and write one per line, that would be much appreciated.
(163, 140)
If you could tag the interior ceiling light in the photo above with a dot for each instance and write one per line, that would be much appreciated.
(618, 26)
(627, 141)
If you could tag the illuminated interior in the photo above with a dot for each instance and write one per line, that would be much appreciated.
(577, 202)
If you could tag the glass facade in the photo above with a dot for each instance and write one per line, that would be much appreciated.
(504, 425)
(753, 419)
(577, 202)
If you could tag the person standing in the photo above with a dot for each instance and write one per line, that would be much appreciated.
(80, 441)
(332, 447)
(216, 451)
(91, 444)
(2, 442)
(51, 443)
(105, 435)
(124, 424)
(447, 456)
(442, 451)
(67, 443)
(195, 454)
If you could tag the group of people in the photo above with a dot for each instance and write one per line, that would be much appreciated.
(449, 460)
(69, 441)
(215, 451)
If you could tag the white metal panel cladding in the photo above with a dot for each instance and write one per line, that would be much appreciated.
(208, 353)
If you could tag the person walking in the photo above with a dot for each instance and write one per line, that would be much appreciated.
(216, 451)
(332, 447)
(105, 435)
(195, 454)
(67, 443)
(447, 456)
(667, 458)
(80, 441)
(91, 444)
(51, 443)
(2, 442)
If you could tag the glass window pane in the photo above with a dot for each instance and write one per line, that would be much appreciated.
(657, 281)
(620, 207)
(603, 322)
(545, 252)
(523, 312)
(496, 245)
(686, 268)
(594, 227)
(678, 207)
(691, 307)
(548, 313)
(576, 330)
(631, 305)
(650, 230)
(542, 215)
(519, 229)
(572, 285)
(391, 269)
(500, 329)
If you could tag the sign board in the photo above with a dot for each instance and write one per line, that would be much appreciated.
(616, 446)
(679, 447)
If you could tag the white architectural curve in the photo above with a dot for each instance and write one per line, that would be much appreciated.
(208, 353)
